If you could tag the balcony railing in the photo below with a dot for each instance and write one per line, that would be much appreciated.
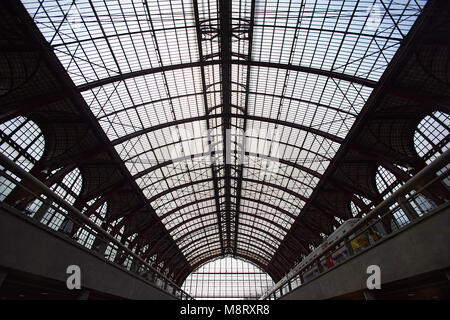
(414, 199)
(88, 233)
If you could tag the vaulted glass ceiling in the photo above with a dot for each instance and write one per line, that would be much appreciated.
(176, 84)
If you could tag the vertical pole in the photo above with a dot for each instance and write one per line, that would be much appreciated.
(349, 247)
(40, 213)
(407, 208)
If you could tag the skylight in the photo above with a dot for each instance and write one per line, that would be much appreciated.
(167, 80)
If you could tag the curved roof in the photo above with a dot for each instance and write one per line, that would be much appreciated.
(226, 113)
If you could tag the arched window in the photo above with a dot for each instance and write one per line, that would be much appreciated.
(432, 138)
(356, 210)
(129, 261)
(130, 240)
(22, 141)
(84, 237)
(227, 278)
(387, 184)
(110, 251)
(339, 220)
(68, 189)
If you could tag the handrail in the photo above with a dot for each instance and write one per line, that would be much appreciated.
(421, 177)
(21, 173)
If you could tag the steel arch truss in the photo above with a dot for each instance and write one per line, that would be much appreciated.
(226, 117)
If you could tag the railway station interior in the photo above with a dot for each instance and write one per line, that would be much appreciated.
(218, 150)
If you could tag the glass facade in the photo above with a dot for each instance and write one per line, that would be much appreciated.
(227, 279)
(22, 141)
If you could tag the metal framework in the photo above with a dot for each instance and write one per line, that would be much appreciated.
(226, 114)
